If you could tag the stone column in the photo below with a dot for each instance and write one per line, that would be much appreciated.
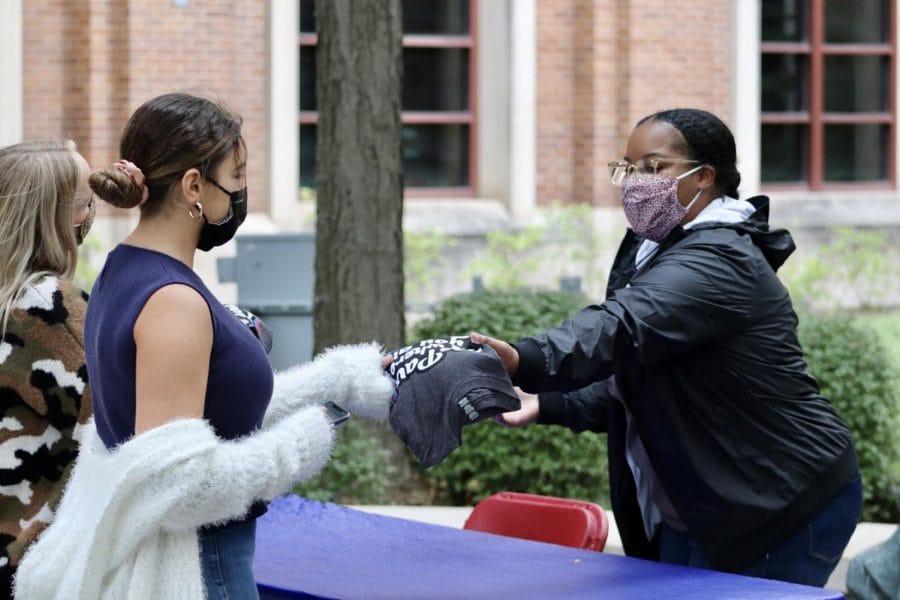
(522, 110)
(746, 82)
(284, 105)
(11, 72)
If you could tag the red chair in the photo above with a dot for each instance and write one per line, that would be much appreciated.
(549, 519)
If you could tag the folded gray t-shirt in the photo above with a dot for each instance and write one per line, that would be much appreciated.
(442, 385)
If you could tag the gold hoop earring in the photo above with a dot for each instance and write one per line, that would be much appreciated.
(199, 214)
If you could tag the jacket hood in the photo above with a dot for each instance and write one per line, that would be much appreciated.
(776, 244)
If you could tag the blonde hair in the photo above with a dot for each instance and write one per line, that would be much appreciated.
(38, 184)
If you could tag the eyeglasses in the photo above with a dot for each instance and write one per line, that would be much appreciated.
(620, 170)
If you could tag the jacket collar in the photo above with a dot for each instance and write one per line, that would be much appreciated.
(776, 245)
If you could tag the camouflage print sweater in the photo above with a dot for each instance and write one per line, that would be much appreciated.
(43, 396)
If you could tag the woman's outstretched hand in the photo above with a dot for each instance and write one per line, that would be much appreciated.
(528, 413)
(509, 356)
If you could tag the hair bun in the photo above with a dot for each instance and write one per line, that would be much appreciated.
(116, 187)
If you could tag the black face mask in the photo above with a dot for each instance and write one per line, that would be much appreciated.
(216, 234)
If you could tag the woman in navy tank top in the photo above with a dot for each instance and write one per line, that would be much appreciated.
(164, 354)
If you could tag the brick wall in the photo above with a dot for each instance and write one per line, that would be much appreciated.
(54, 64)
(604, 64)
(601, 65)
(89, 64)
(556, 55)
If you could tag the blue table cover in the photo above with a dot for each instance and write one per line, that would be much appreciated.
(309, 549)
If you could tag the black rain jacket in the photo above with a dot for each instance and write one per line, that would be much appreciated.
(703, 343)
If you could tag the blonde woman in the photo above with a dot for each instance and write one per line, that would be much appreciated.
(46, 209)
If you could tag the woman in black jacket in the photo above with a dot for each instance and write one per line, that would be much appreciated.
(722, 452)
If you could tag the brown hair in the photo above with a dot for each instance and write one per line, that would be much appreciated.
(165, 137)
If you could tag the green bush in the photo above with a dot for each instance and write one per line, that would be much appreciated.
(849, 270)
(425, 255)
(852, 366)
(507, 315)
(538, 459)
(360, 470)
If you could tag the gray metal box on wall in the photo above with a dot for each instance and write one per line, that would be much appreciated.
(275, 275)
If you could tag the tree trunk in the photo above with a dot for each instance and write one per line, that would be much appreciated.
(359, 206)
(359, 174)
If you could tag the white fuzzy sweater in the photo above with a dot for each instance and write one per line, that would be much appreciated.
(127, 525)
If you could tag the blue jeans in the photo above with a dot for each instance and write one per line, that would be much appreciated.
(226, 561)
(807, 557)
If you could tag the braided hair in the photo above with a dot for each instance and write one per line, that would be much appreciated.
(708, 140)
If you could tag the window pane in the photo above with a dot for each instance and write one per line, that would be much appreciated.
(445, 17)
(856, 152)
(784, 152)
(308, 156)
(784, 82)
(436, 155)
(856, 22)
(308, 78)
(856, 83)
(307, 16)
(435, 79)
(440, 17)
(784, 20)
(433, 155)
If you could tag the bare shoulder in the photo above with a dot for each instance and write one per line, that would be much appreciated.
(173, 335)
(174, 313)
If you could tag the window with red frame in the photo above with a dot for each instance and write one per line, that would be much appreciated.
(827, 93)
(438, 101)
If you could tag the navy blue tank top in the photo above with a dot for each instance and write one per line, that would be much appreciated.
(240, 376)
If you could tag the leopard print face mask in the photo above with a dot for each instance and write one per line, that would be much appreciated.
(651, 204)
(81, 230)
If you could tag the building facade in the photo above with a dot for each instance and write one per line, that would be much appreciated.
(508, 105)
